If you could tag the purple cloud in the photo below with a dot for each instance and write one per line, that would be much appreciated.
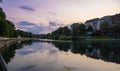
(51, 23)
(37, 29)
(24, 23)
(27, 8)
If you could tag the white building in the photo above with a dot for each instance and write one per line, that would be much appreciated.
(95, 23)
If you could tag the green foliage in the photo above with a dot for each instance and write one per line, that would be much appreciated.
(82, 29)
(78, 29)
(11, 28)
(60, 33)
(64, 33)
(2, 14)
(7, 28)
(3, 27)
(105, 27)
(22, 33)
(116, 27)
(75, 29)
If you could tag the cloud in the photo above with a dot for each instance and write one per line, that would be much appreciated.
(30, 27)
(52, 23)
(37, 29)
(27, 8)
(24, 23)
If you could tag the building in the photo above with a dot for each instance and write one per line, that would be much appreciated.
(95, 23)
(106, 18)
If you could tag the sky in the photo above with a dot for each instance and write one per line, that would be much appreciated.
(44, 16)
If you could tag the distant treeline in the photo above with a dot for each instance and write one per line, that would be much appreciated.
(76, 30)
(7, 28)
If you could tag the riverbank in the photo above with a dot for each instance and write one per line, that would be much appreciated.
(84, 38)
(4, 42)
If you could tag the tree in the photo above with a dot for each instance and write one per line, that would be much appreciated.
(22, 33)
(116, 27)
(74, 29)
(11, 28)
(3, 27)
(78, 29)
(105, 27)
(2, 14)
(66, 31)
(82, 29)
(7, 28)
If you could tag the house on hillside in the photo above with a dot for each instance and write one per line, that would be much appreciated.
(106, 18)
(95, 23)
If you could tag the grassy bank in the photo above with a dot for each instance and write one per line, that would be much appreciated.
(77, 38)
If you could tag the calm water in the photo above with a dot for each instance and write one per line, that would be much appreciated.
(63, 56)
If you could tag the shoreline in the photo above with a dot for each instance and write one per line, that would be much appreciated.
(7, 42)
(4, 43)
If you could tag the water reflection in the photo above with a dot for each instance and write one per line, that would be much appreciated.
(63, 56)
(9, 53)
(107, 51)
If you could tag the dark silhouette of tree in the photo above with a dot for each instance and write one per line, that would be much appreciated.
(3, 27)
(105, 27)
(116, 27)
(82, 29)
(75, 29)
(66, 31)
(2, 14)
(11, 28)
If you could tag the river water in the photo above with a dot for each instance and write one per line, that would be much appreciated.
(63, 56)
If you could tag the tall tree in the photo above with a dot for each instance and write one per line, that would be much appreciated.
(2, 14)
(74, 29)
(105, 27)
(3, 27)
(11, 28)
(82, 29)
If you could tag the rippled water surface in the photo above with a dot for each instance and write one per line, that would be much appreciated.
(63, 56)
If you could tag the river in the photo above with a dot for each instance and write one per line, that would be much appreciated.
(63, 56)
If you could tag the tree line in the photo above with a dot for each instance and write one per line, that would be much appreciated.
(7, 28)
(76, 30)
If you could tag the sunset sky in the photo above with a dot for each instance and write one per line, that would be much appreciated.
(43, 16)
